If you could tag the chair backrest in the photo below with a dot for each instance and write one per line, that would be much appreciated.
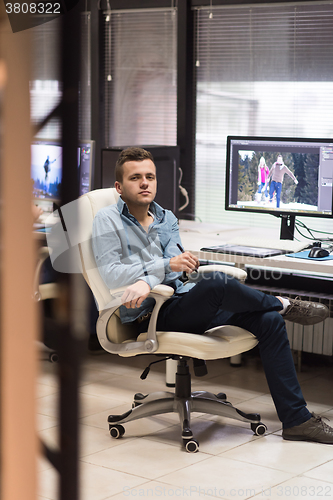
(88, 206)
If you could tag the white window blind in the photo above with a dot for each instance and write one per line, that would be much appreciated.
(263, 70)
(140, 77)
(46, 85)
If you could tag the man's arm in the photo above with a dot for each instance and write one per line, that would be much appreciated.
(289, 172)
(179, 261)
(111, 243)
(119, 259)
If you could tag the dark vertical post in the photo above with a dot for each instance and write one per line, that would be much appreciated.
(186, 100)
(68, 345)
(97, 90)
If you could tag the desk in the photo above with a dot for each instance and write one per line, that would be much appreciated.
(317, 338)
(195, 236)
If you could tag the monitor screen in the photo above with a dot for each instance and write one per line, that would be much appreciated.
(280, 176)
(46, 170)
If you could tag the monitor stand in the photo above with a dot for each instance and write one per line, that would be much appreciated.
(287, 227)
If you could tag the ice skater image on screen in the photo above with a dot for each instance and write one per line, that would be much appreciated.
(47, 167)
(302, 190)
(276, 174)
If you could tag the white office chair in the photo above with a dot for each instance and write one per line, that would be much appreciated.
(44, 291)
(123, 339)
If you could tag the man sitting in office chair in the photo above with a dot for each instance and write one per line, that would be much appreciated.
(137, 243)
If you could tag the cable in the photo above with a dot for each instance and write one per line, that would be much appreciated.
(183, 191)
(299, 224)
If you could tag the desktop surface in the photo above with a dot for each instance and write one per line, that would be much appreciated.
(195, 235)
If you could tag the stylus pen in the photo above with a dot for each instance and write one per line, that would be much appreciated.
(183, 251)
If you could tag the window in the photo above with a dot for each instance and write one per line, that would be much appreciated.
(262, 70)
(140, 77)
(46, 86)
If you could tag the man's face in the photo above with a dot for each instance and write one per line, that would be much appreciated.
(139, 184)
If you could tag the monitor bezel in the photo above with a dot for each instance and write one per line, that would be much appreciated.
(55, 142)
(92, 144)
(276, 212)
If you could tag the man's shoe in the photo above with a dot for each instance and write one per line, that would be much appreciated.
(305, 313)
(311, 430)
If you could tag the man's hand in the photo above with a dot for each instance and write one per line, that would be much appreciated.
(135, 294)
(184, 262)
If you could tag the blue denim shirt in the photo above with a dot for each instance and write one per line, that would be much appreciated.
(125, 253)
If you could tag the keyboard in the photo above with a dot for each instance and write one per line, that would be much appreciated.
(286, 246)
(245, 251)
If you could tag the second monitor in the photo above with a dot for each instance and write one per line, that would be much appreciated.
(286, 177)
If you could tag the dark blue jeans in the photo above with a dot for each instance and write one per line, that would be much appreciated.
(219, 299)
(275, 186)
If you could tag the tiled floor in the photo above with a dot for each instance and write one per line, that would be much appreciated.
(149, 461)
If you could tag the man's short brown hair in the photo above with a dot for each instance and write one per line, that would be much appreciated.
(130, 154)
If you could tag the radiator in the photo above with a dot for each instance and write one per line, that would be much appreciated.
(316, 338)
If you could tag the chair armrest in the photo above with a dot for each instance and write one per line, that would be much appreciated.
(237, 273)
(160, 293)
(164, 290)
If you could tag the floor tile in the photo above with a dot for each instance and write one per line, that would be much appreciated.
(97, 483)
(298, 487)
(45, 390)
(150, 461)
(225, 478)
(290, 456)
(156, 489)
(45, 422)
(121, 388)
(145, 458)
(89, 404)
(323, 473)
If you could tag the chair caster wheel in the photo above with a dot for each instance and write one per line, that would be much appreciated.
(259, 429)
(116, 431)
(138, 399)
(191, 445)
(221, 395)
(53, 357)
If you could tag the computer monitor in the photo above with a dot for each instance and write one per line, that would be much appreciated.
(86, 161)
(46, 173)
(285, 177)
(46, 170)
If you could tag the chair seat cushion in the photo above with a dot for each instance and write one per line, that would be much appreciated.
(219, 342)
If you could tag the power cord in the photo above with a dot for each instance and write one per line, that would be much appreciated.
(183, 192)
